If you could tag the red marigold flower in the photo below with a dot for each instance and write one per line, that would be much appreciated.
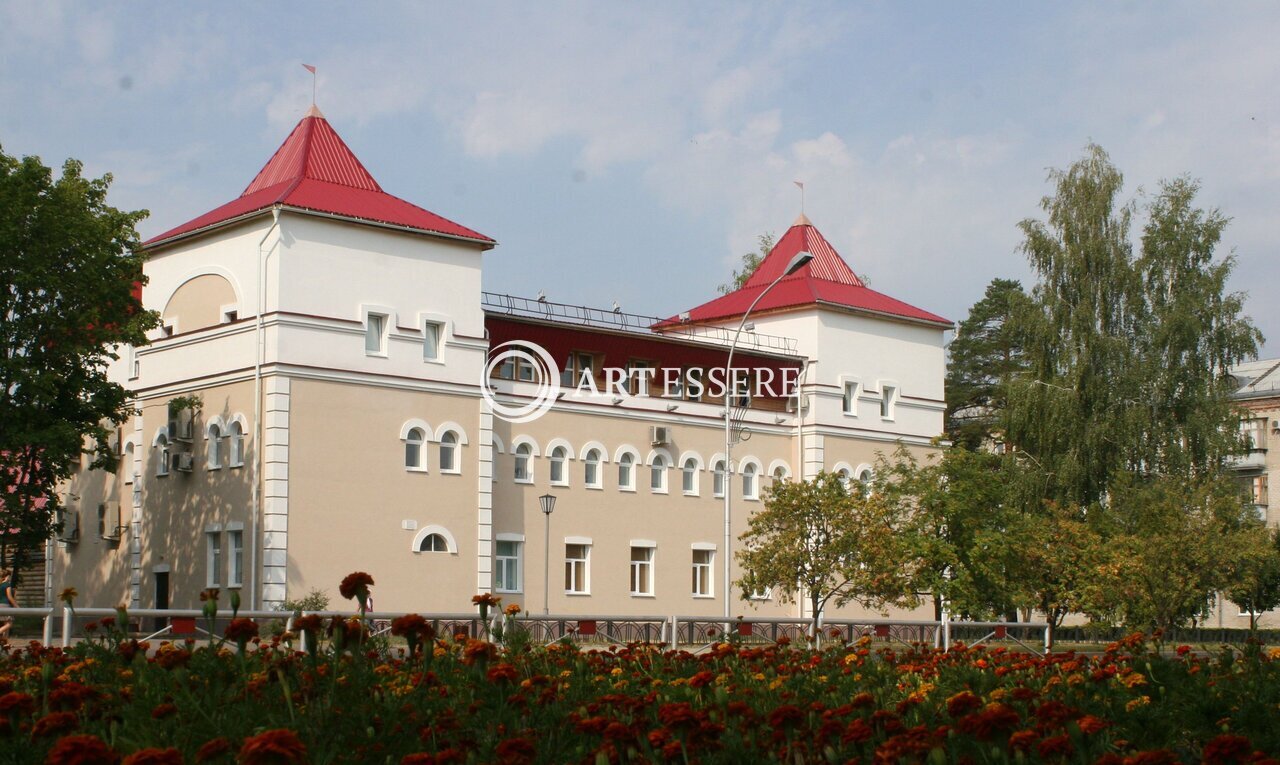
(1152, 757)
(478, 651)
(154, 756)
(213, 749)
(242, 630)
(1057, 746)
(1022, 741)
(857, 731)
(1226, 748)
(991, 720)
(485, 599)
(517, 751)
(1090, 724)
(502, 672)
(310, 622)
(409, 624)
(163, 710)
(274, 747)
(701, 679)
(863, 699)
(1183, 650)
(81, 749)
(355, 583)
(679, 714)
(14, 703)
(963, 703)
(54, 724)
(787, 714)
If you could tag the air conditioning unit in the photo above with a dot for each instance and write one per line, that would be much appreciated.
(70, 526)
(659, 435)
(1275, 426)
(183, 462)
(180, 429)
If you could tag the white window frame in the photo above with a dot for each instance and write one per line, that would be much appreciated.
(572, 564)
(659, 464)
(514, 562)
(643, 569)
(235, 555)
(705, 571)
(213, 556)
(421, 442)
(451, 447)
(522, 453)
(213, 452)
(559, 459)
(162, 443)
(719, 477)
(890, 392)
(126, 462)
(596, 464)
(850, 391)
(430, 327)
(689, 477)
(627, 461)
(384, 332)
(450, 544)
(235, 443)
(750, 492)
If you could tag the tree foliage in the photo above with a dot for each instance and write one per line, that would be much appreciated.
(71, 270)
(1255, 577)
(984, 356)
(750, 262)
(818, 541)
(1126, 355)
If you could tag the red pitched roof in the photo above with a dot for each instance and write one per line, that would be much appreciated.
(826, 279)
(314, 170)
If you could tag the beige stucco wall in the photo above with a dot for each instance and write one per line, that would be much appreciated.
(198, 303)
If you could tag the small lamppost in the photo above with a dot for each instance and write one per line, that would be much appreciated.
(548, 504)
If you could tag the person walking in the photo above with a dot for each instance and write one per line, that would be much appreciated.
(8, 599)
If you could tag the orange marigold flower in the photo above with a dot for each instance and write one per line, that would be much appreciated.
(701, 679)
(81, 750)
(963, 703)
(485, 599)
(412, 624)
(154, 756)
(1022, 741)
(502, 672)
(274, 747)
(211, 593)
(163, 710)
(355, 583)
(54, 724)
(478, 650)
(213, 749)
(68, 595)
(310, 622)
(512, 610)
(1090, 724)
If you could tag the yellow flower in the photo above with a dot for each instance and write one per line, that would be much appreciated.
(567, 673)
(759, 676)
(656, 682)
(615, 672)
(1075, 679)
(1141, 701)
(1274, 653)
(1133, 680)
(998, 694)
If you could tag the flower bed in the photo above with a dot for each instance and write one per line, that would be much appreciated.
(458, 701)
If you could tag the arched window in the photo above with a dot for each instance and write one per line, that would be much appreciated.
(779, 473)
(126, 464)
(524, 463)
(750, 487)
(717, 482)
(558, 474)
(626, 472)
(413, 452)
(591, 469)
(846, 478)
(658, 474)
(162, 449)
(689, 477)
(214, 460)
(237, 445)
(449, 452)
(433, 543)
(865, 478)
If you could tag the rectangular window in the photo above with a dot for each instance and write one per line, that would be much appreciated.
(506, 572)
(887, 394)
(577, 558)
(431, 341)
(850, 402)
(702, 561)
(640, 383)
(718, 478)
(375, 327)
(1255, 433)
(213, 548)
(235, 542)
(641, 570)
(577, 368)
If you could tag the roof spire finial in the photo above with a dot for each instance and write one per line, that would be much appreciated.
(803, 220)
(312, 69)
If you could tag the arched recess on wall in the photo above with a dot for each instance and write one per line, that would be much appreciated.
(205, 298)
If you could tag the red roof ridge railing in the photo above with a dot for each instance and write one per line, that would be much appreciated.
(619, 320)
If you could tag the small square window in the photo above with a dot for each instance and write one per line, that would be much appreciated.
(375, 328)
(431, 332)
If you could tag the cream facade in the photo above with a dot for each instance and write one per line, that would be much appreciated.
(340, 357)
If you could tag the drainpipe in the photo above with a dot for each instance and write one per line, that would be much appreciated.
(259, 432)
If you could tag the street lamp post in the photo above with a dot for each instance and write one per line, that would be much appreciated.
(548, 504)
(797, 262)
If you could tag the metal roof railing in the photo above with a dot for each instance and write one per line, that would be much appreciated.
(619, 320)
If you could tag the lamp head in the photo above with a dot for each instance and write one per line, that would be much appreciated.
(798, 262)
(547, 502)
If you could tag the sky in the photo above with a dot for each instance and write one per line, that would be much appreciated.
(632, 152)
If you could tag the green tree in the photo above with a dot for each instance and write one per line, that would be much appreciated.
(984, 356)
(72, 275)
(954, 504)
(817, 540)
(1255, 575)
(1126, 356)
(750, 262)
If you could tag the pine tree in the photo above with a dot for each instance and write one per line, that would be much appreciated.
(984, 356)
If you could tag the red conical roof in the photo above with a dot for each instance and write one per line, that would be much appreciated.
(825, 280)
(314, 170)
